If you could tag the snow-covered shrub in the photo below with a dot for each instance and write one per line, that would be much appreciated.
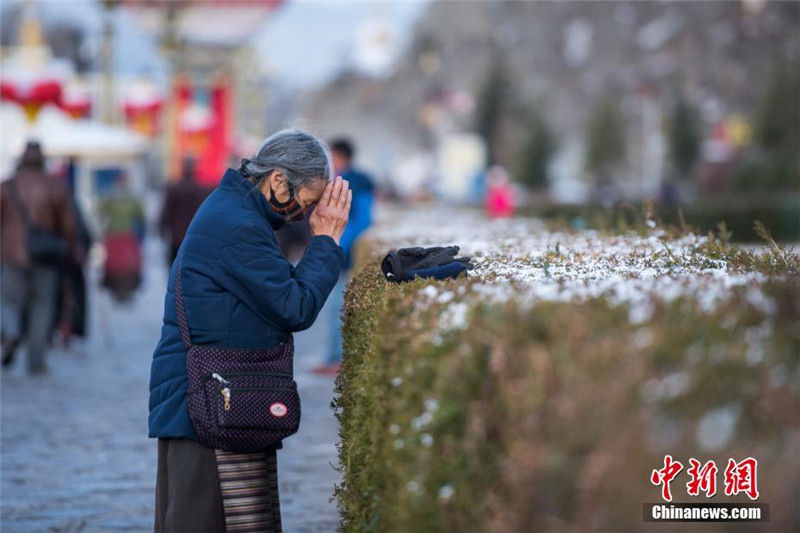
(540, 392)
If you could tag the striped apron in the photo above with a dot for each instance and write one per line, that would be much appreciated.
(249, 487)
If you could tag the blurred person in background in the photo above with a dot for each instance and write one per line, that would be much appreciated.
(122, 216)
(37, 236)
(180, 204)
(499, 199)
(239, 292)
(72, 308)
(343, 153)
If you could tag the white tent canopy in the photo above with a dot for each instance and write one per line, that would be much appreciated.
(62, 136)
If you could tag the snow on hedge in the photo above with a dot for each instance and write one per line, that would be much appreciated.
(521, 259)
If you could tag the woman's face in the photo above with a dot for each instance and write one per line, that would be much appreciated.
(306, 196)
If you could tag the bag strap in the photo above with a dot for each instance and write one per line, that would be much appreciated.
(183, 322)
(18, 204)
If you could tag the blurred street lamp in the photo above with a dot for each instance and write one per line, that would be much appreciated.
(107, 60)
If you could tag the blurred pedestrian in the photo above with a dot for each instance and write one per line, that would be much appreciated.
(499, 200)
(72, 308)
(122, 216)
(180, 204)
(37, 235)
(232, 303)
(360, 218)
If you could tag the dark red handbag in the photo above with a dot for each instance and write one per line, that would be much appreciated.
(240, 399)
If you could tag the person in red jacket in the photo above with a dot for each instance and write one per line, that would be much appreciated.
(499, 199)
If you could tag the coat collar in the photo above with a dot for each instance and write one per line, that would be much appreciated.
(252, 197)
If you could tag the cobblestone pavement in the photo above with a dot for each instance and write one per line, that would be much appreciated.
(75, 452)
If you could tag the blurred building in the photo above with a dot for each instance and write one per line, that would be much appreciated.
(44, 99)
(563, 57)
(217, 99)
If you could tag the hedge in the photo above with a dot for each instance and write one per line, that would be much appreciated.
(779, 213)
(460, 412)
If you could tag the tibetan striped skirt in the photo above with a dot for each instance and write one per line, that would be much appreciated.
(249, 487)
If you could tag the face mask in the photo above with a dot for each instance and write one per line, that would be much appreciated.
(290, 209)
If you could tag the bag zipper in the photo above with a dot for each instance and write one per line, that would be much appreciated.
(221, 379)
(261, 388)
(226, 392)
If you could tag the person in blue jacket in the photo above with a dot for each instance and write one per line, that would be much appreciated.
(359, 220)
(240, 291)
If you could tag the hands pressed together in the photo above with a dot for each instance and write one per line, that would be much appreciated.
(331, 213)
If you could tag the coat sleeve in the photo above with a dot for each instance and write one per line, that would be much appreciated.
(253, 268)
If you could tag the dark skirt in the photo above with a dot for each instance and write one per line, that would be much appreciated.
(201, 489)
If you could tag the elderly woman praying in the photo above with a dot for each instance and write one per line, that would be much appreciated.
(238, 291)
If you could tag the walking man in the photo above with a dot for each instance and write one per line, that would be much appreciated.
(37, 235)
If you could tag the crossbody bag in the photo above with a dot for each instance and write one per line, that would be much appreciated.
(240, 399)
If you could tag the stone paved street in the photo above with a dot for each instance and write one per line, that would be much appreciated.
(75, 451)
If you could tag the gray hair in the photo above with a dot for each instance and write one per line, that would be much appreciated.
(302, 157)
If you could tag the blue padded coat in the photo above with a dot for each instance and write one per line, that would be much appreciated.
(240, 292)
